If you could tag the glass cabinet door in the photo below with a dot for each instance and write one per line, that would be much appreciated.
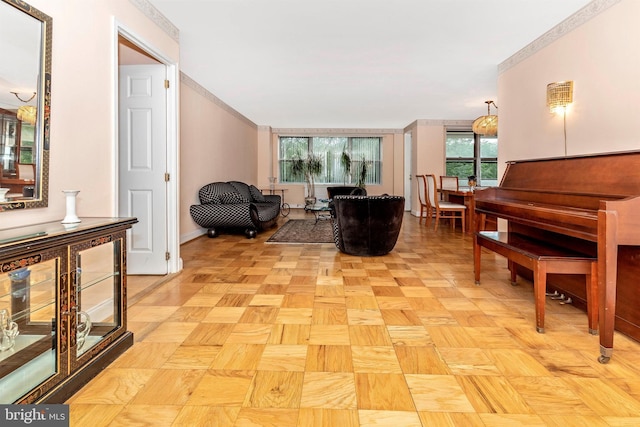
(98, 295)
(28, 326)
(8, 140)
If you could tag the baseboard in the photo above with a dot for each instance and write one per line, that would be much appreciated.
(184, 238)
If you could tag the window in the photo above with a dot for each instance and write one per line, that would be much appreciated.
(329, 149)
(472, 154)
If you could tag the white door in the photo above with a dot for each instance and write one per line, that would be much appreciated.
(143, 164)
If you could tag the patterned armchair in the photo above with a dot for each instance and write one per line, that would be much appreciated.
(235, 205)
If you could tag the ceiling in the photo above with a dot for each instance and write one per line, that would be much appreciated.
(355, 63)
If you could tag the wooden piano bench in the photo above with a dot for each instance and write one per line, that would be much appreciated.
(541, 258)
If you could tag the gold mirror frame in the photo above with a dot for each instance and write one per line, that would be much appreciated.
(43, 96)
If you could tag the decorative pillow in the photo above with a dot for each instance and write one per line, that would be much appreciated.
(231, 198)
(209, 194)
(242, 188)
(256, 194)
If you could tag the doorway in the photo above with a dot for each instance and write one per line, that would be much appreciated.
(146, 162)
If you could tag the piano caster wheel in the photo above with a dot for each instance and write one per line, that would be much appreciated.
(539, 330)
(605, 354)
(477, 282)
(593, 331)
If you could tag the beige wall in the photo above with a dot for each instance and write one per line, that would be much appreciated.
(82, 103)
(216, 144)
(267, 157)
(398, 164)
(602, 57)
(427, 153)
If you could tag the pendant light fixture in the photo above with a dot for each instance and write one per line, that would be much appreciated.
(486, 125)
(26, 113)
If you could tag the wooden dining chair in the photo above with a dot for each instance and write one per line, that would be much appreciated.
(449, 182)
(443, 209)
(423, 198)
(26, 171)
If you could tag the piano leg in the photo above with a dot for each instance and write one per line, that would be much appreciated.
(512, 269)
(539, 293)
(476, 259)
(607, 279)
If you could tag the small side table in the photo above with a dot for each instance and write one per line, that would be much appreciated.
(284, 207)
(320, 210)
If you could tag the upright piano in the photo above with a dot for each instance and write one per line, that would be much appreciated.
(586, 203)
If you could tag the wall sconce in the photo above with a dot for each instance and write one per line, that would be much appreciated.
(486, 125)
(559, 95)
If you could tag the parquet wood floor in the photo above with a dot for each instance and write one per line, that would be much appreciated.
(255, 334)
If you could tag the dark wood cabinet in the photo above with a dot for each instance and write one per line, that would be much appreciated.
(63, 289)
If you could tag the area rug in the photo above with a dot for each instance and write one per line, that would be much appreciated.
(303, 231)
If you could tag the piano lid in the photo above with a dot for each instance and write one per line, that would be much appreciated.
(615, 175)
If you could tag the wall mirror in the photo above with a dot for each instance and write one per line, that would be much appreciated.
(25, 96)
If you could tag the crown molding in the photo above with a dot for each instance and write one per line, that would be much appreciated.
(461, 125)
(188, 81)
(583, 15)
(158, 18)
(333, 131)
(446, 123)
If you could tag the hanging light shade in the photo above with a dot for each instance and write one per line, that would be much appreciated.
(486, 125)
(559, 95)
(27, 114)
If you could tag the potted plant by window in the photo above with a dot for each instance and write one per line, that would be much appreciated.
(362, 174)
(345, 162)
(308, 168)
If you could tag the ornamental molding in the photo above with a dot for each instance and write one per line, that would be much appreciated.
(591, 10)
(446, 123)
(157, 18)
(188, 81)
(333, 131)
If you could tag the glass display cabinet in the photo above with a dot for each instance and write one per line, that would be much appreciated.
(62, 306)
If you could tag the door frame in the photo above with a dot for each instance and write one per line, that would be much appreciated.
(172, 148)
(408, 177)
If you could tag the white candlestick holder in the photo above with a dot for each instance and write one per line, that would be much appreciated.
(71, 217)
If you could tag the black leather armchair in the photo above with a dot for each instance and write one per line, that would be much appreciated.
(345, 190)
(367, 225)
